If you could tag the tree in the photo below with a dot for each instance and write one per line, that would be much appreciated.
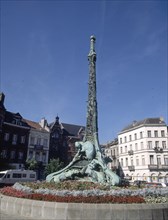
(53, 166)
(31, 164)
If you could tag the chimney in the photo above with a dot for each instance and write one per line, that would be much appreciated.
(2, 98)
(43, 123)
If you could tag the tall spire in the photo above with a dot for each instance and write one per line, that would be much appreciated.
(92, 45)
(91, 133)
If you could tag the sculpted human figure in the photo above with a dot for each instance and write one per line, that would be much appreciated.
(87, 148)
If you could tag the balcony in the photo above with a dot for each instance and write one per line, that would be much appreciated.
(130, 152)
(113, 157)
(158, 149)
(155, 167)
(37, 147)
(131, 168)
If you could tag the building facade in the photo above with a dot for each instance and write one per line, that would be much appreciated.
(38, 144)
(111, 151)
(62, 140)
(143, 150)
(14, 141)
(2, 111)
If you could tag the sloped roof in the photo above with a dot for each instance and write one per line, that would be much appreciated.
(10, 116)
(34, 125)
(72, 129)
(147, 121)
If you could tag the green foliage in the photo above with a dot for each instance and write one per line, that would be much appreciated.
(31, 164)
(53, 166)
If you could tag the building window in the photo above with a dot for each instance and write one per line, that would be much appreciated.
(122, 162)
(130, 138)
(157, 144)
(44, 157)
(162, 133)
(143, 160)
(20, 155)
(38, 141)
(45, 142)
(121, 150)
(120, 140)
(14, 140)
(136, 146)
(6, 136)
(142, 145)
(149, 144)
(30, 155)
(4, 154)
(141, 134)
(164, 144)
(125, 138)
(125, 149)
(130, 146)
(32, 140)
(166, 160)
(149, 134)
(137, 161)
(37, 156)
(126, 161)
(23, 138)
(135, 136)
(12, 155)
(151, 159)
(158, 160)
(156, 133)
(132, 163)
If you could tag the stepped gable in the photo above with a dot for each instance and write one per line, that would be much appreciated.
(147, 121)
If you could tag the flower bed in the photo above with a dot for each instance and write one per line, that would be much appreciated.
(85, 192)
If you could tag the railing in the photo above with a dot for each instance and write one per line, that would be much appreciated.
(158, 149)
(155, 167)
(113, 157)
(130, 152)
(38, 147)
(131, 168)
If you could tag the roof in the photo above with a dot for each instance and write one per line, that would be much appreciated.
(72, 129)
(147, 121)
(68, 129)
(11, 117)
(34, 125)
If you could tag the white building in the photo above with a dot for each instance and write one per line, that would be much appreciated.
(39, 138)
(111, 151)
(143, 150)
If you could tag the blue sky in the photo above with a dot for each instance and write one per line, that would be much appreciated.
(44, 66)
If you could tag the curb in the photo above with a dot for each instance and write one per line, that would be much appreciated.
(71, 211)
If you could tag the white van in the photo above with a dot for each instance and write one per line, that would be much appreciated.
(9, 177)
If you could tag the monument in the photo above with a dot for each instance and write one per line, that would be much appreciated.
(88, 164)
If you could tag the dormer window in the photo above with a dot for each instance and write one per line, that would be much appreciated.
(17, 121)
